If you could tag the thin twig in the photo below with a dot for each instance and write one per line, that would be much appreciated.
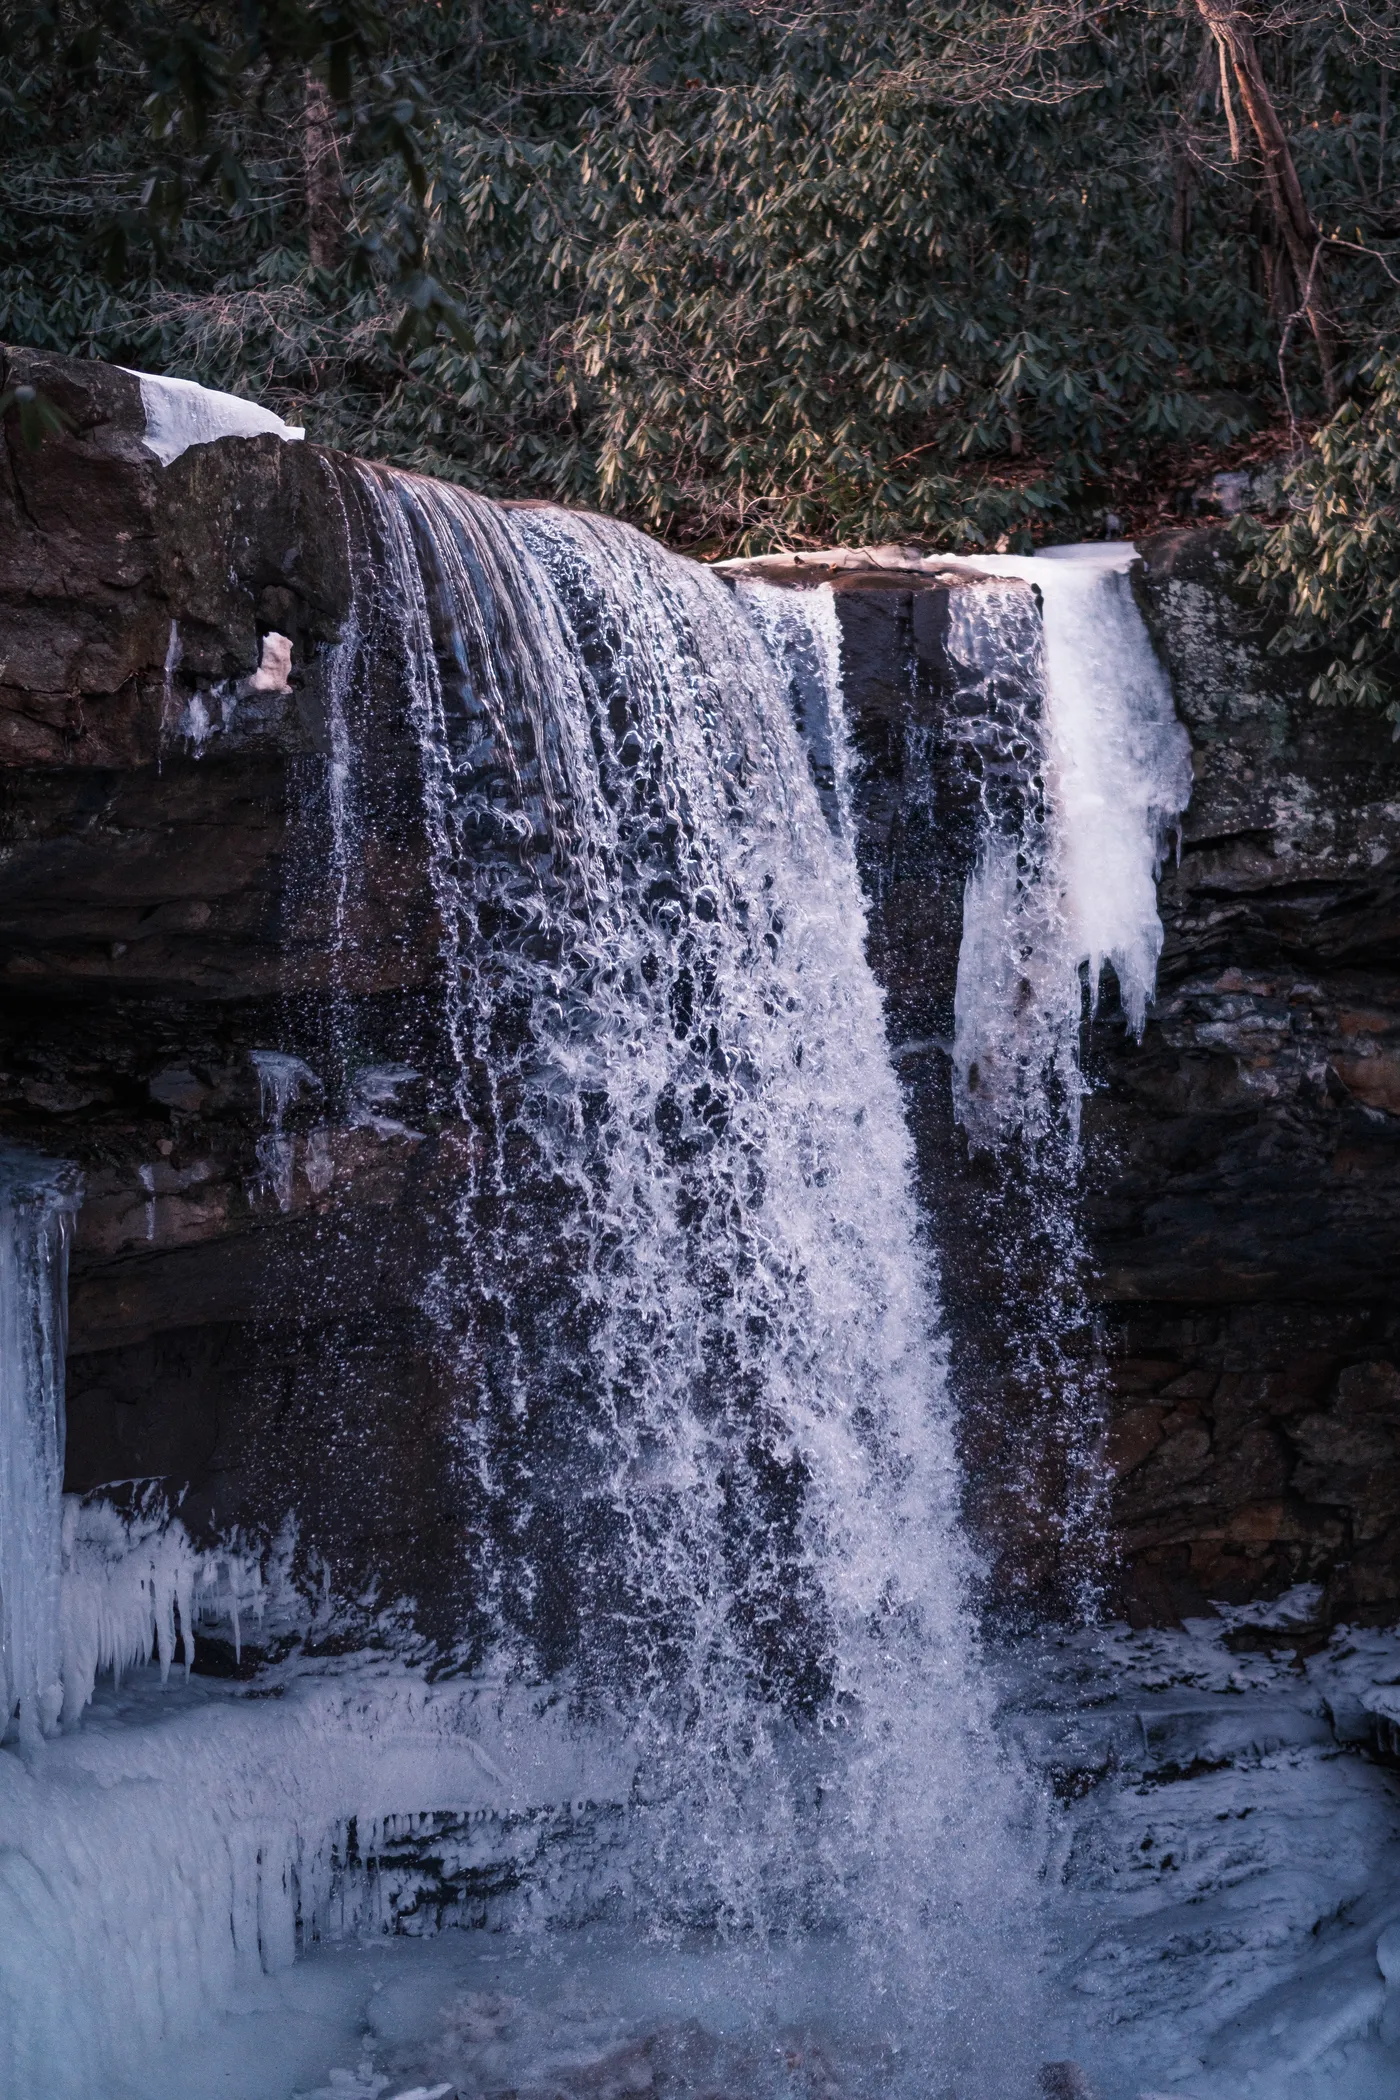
(1334, 240)
(1303, 313)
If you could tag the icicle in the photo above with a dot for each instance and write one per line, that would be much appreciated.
(131, 1583)
(38, 1199)
(235, 1617)
(1117, 774)
(282, 1079)
(185, 1577)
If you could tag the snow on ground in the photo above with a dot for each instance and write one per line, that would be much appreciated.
(1221, 1847)
(1227, 1857)
(180, 413)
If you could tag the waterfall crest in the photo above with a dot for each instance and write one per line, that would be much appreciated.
(38, 1198)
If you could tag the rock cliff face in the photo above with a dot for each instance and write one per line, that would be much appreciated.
(203, 1013)
(1244, 1183)
(171, 940)
(1222, 1281)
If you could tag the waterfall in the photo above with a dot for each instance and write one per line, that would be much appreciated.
(711, 1575)
(38, 1198)
(1063, 885)
(1117, 774)
(704, 1436)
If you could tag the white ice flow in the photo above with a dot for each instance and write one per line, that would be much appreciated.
(37, 1200)
(1117, 775)
(178, 1851)
(180, 413)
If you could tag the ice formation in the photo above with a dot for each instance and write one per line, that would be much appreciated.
(1117, 774)
(180, 414)
(374, 1089)
(133, 1584)
(38, 1198)
(282, 1080)
(1226, 1869)
(161, 1859)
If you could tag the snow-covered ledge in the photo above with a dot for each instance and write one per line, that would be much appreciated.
(180, 1846)
(180, 414)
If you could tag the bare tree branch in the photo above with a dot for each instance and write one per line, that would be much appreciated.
(1236, 150)
(1231, 28)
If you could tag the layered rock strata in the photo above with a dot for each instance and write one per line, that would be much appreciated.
(192, 1005)
(204, 1014)
(1244, 1185)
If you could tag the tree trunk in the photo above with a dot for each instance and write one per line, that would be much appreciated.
(1230, 28)
(325, 194)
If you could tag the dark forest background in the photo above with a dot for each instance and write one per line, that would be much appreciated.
(758, 274)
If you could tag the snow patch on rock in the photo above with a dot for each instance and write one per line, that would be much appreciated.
(180, 414)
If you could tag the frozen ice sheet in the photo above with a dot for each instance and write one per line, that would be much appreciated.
(1223, 1869)
(584, 2014)
(175, 1849)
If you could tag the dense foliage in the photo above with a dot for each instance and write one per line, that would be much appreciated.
(1332, 565)
(743, 272)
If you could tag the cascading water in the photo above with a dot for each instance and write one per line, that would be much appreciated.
(37, 1200)
(1118, 774)
(704, 1426)
(1063, 883)
(704, 1454)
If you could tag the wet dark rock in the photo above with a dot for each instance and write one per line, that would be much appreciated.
(1244, 1194)
(167, 908)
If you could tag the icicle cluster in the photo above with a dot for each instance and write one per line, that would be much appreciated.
(1117, 767)
(282, 1080)
(133, 1586)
